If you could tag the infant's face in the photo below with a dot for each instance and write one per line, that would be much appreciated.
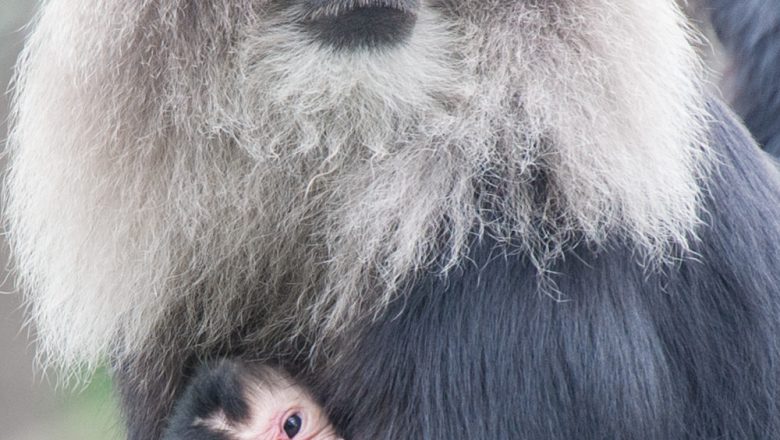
(280, 412)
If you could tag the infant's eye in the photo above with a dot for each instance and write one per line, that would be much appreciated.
(292, 426)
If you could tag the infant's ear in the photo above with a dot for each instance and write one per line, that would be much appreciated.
(220, 386)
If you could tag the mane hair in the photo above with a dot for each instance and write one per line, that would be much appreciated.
(211, 164)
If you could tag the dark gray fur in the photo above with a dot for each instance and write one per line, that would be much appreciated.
(750, 33)
(691, 353)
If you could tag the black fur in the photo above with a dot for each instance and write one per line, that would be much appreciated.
(366, 28)
(750, 33)
(688, 352)
(217, 387)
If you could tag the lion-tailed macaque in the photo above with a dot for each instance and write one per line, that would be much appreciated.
(449, 219)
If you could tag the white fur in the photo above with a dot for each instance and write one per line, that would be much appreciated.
(161, 168)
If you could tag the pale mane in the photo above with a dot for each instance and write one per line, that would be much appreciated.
(166, 167)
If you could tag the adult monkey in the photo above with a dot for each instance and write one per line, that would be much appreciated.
(447, 219)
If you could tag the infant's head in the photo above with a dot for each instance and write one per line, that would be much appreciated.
(234, 400)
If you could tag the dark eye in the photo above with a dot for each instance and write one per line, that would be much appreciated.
(292, 426)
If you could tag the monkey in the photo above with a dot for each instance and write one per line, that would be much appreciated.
(232, 400)
(748, 36)
(444, 219)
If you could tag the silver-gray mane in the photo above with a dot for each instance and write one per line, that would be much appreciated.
(212, 154)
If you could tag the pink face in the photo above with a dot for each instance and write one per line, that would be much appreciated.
(279, 412)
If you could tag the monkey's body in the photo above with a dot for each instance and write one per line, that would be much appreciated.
(687, 352)
(690, 353)
(502, 219)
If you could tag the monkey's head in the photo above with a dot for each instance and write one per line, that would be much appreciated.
(278, 163)
(235, 400)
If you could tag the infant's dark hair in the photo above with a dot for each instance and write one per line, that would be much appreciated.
(217, 389)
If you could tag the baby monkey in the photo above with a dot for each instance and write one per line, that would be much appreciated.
(235, 400)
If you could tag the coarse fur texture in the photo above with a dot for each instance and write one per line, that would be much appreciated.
(750, 33)
(213, 157)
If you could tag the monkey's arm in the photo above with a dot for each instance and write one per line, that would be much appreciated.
(750, 32)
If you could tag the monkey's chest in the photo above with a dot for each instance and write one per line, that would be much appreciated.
(483, 354)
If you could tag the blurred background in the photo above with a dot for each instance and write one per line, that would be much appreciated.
(31, 407)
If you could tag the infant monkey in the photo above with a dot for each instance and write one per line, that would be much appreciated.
(235, 400)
